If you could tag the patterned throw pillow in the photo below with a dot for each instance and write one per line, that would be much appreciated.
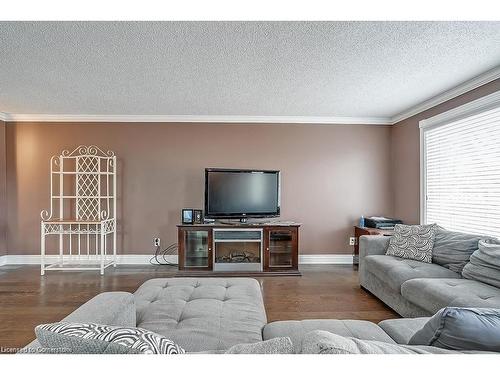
(412, 242)
(91, 338)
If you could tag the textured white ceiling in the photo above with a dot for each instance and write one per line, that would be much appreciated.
(361, 69)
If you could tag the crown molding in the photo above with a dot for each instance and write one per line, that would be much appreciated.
(3, 116)
(464, 87)
(323, 120)
(469, 109)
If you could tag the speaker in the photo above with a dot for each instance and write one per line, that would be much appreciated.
(191, 216)
(198, 216)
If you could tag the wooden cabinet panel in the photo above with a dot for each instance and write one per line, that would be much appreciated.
(280, 248)
(195, 248)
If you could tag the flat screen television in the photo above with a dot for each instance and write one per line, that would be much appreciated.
(241, 193)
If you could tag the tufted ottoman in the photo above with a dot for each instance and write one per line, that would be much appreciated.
(202, 314)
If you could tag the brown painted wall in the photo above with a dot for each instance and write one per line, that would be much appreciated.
(330, 175)
(3, 192)
(405, 146)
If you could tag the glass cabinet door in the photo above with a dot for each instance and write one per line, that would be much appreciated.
(197, 248)
(280, 247)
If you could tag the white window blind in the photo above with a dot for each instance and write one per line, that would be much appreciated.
(462, 174)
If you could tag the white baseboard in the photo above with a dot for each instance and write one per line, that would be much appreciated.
(325, 259)
(131, 259)
(143, 259)
(27, 259)
(121, 259)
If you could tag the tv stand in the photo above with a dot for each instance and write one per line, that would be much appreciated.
(241, 248)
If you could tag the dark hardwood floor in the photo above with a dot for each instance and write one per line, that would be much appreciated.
(28, 299)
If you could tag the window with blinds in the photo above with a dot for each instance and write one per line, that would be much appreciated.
(461, 173)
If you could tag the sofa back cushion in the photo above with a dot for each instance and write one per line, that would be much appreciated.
(412, 242)
(277, 345)
(453, 249)
(484, 263)
(461, 328)
(324, 342)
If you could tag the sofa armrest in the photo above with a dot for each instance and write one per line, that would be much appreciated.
(372, 245)
(110, 308)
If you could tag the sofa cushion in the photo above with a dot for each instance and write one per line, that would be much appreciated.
(323, 342)
(202, 314)
(461, 328)
(412, 242)
(394, 300)
(297, 329)
(278, 345)
(402, 330)
(484, 263)
(434, 294)
(110, 308)
(395, 271)
(453, 249)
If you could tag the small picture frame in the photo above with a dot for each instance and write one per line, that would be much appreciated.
(187, 216)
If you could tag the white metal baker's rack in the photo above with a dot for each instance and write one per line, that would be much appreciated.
(82, 214)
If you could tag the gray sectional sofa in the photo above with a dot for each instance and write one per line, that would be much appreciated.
(417, 289)
(210, 315)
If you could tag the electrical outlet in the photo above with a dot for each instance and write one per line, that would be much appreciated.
(352, 241)
(156, 242)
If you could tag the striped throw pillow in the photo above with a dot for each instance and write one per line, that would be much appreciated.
(91, 338)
